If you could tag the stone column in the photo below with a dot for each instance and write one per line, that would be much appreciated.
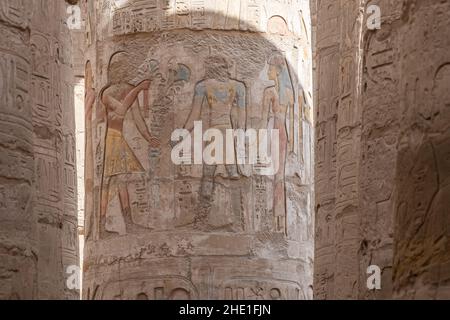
(381, 118)
(159, 230)
(18, 249)
(326, 95)
(38, 180)
(356, 87)
(381, 153)
(421, 267)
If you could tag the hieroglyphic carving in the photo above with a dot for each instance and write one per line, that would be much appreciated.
(54, 147)
(49, 161)
(153, 288)
(254, 12)
(185, 202)
(262, 220)
(261, 289)
(151, 15)
(16, 12)
(188, 213)
(18, 252)
(347, 161)
(388, 134)
(198, 13)
(421, 199)
(380, 129)
(326, 100)
(36, 110)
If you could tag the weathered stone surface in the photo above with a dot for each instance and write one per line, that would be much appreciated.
(18, 251)
(381, 132)
(37, 167)
(155, 230)
(422, 203)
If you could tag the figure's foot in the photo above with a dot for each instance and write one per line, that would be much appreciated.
(130, 226)
(104, 233)
(233, 173)
(136, 229)
(235, 177)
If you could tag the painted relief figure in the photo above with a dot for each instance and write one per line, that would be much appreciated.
(220, 102)
(120, 97)
(279, 102)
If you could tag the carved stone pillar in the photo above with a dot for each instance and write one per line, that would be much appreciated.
(421, 267)
(382, 150)
(37, 170)
(18, 250)
(54, 148)
(158, 230)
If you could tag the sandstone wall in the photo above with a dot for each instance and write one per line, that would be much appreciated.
(422, 201)
(37, 169)
(381, 148)
(155, 230)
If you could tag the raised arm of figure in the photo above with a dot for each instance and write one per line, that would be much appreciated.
(132, 96)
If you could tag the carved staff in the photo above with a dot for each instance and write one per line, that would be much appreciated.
(147, 102)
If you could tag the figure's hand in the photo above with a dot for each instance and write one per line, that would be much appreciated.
(145, 85)
(89, 99)
(154, 142)
(90, 92)
(89, 95)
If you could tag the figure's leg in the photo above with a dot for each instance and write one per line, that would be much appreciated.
(125, 202)
(232, 171)
(105, 196)
(279, 201)
(207, 186)
(206, 195)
